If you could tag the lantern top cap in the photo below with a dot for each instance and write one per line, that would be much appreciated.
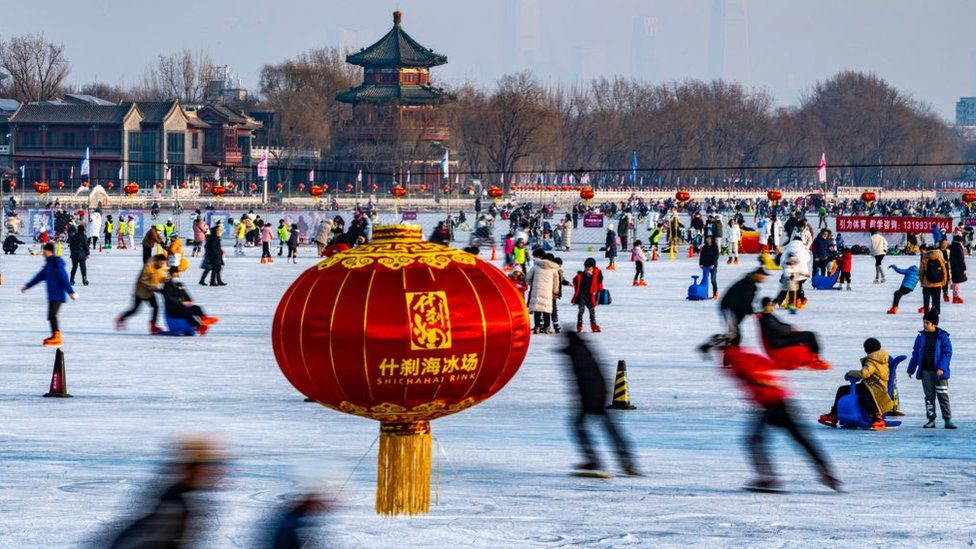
(397, 233)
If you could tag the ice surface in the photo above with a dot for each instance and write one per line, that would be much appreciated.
(70, 467)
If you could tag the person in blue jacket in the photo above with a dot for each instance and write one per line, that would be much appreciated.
(59, 288)
(930, 363)
(937, 235)
(909, 282)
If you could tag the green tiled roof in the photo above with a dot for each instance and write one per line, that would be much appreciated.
(375, 93)
(395, 50)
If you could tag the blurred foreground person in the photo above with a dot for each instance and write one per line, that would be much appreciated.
(197, 466)
(592, 388)
(294, 517)
(757, 376)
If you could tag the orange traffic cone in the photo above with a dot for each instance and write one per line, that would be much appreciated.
(59, 383)
(691, 251)
(492, 253)
(654, 253)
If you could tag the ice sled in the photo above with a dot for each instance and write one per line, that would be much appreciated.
(179, 327)
(850, 413)
(828, 282)
(699, 290)
(794, 356)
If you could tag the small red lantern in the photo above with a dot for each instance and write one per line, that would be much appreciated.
(447, 188)
(470, 188)
(183, 185)
(301, 187)
(41, 188)
(218, 190)
(230, 186)
(869, 197)
(423, 188)
(315, 191)
(110, 185)
(682, 196)
(774, 196)
(375, 187)
(160, 185)
(60, 185)
(398, 192)
(84, 185)
(495, 193)
(13, 185)
(206, 186)
(253, 187)
(401, 331)
(349, 188)
(278, 187)
(131, 190)
(968, 198)
(587, 194)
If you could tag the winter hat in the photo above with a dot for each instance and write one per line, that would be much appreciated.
(932, 316)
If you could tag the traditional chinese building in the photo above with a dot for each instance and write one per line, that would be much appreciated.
(395, 125)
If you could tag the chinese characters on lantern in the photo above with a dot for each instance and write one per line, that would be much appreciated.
(428, 370)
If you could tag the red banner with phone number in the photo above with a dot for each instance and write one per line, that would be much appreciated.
(914, 225)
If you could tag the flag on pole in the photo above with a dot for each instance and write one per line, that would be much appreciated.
(85, 166)
(633, 167)
(444, 165)
(23, 169)
(217, 175)
(169, 174)
(311, 176)
(71, 173)
(120, 174)
(822, 170)
(263, 165)
(408, 175)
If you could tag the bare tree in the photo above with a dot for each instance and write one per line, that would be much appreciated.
(183, 75)
(37, 68)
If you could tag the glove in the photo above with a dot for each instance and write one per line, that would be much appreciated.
(852, 374)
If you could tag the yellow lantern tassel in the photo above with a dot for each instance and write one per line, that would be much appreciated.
(403, 469)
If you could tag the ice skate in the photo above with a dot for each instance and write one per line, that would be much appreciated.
(893, 311)
(54, 340)
(930, 424)
(830, 420)
(154, 329)
(950, 425)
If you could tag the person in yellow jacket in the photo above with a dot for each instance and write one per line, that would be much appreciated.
(153, 273)
(240, 235)
(872, 391)
(123, 228)
(283, 235)
(175, 253)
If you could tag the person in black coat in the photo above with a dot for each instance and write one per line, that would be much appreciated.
(179, 304)
(957, 266)
(592, 389)
(708, 259)
(779, 334)
(736, 304)
(213, 258)
(821, 251)
(78, 251)
(11, 243)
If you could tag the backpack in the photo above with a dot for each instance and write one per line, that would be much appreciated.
(603, 297)
(934, 271)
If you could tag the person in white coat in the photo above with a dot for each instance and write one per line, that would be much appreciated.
(879, 249)
(543, 281)
(797, 258)
(94, 227)
(776, 232)
(734, 237)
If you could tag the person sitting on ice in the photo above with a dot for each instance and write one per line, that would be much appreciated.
(179, 305)
(779, 334)
(872, 390)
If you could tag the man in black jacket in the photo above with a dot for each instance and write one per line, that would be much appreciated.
(179, 304)
(78, 250)
(592, 389)
(213, 257)
(736, 304)
(779, 334)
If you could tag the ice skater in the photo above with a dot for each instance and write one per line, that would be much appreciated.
(931, 357)
(152, 275)
(178, 304)
(639, 257)
(586, 284)
(592, 389)
(59, 288)
(909, 282)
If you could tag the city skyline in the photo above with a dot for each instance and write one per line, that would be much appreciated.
(781, 47)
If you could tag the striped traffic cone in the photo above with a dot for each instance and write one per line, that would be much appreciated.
(59, 382)
(621, 397)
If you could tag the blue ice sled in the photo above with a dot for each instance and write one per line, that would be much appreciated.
(829, 282)
(179, 327)
(850, 413)
(699, 290)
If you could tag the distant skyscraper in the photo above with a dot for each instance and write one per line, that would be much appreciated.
(643, 49)
(728, 53)
(716, 41)
(966, 111)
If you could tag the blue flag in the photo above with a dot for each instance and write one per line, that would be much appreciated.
(22, 176)
(84, 164)
(633, 167)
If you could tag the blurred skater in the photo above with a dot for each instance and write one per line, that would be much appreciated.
(294, 517)
(592, 389)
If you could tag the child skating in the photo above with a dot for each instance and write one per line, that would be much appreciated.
(639, 257)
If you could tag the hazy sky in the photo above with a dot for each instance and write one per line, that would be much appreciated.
(924, 47)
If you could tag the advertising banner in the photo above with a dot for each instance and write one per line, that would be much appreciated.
(892, 225)
(593, 221)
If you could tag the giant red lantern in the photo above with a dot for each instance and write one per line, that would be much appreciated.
(587, 194)
(131, 190)
(682, 196)
(401, 331)
(218, 190)
(968, 198)
(315, 191)
(495, 193)
(41, 188)
(869, 197)
(774, 196)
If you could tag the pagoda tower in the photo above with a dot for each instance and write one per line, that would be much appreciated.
(395, 125)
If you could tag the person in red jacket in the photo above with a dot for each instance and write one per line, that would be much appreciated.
(846, 261)
(758, 377)
(586, 284)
